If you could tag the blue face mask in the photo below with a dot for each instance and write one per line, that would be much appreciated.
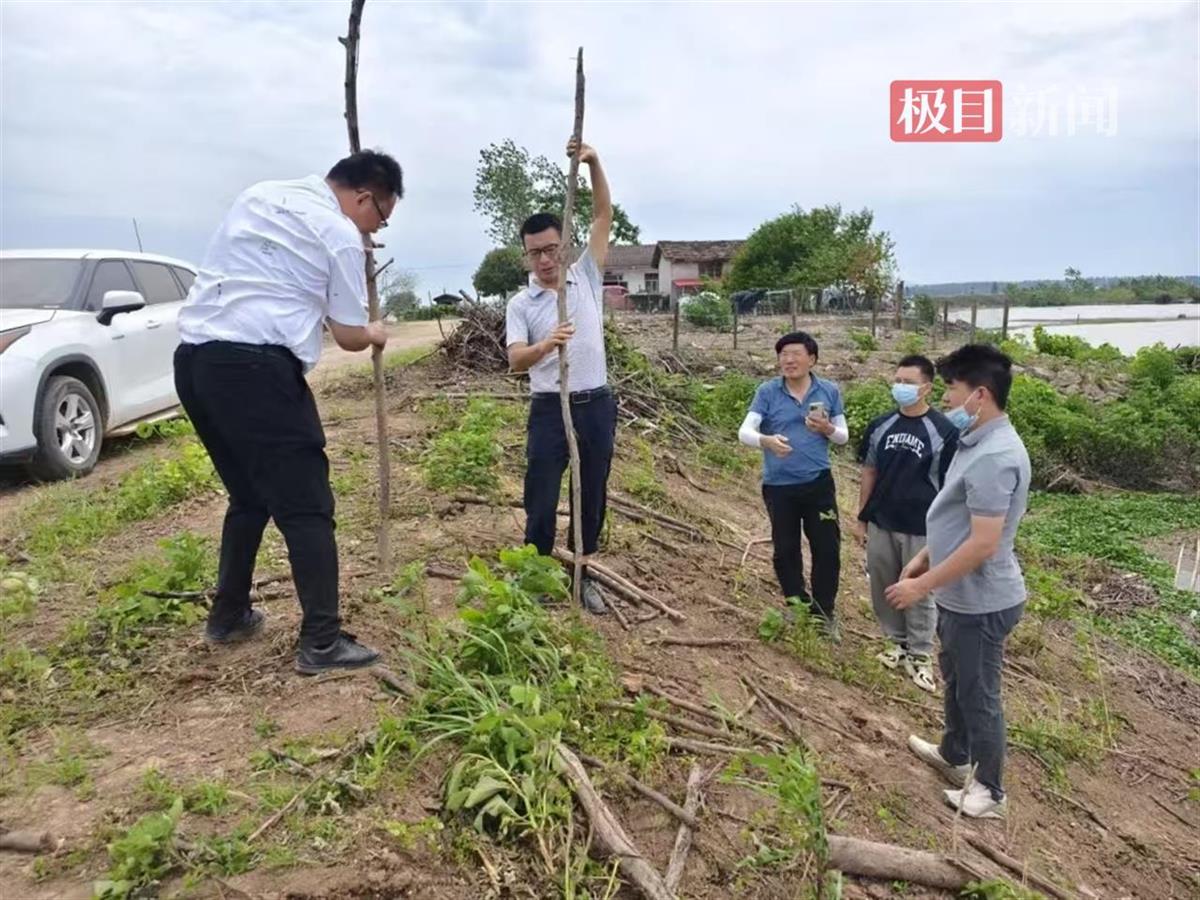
(905, 394)
(961, 419)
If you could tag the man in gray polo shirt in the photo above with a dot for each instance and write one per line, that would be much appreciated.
(534, 340)
(970, 567)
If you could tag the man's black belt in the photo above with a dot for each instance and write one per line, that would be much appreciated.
(575, 396)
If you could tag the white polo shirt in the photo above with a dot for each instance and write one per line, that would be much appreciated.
(533, 313)
(284, 259)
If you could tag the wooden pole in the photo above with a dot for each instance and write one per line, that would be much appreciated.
(735, 323)
(564, 389)
(874, 313)
(792, 302)
(900, 306)
(1004, 324)
(974, 311)
(674, 323)
(945, 318)
(350, 42)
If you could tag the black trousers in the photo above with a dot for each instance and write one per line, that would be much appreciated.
(594, 414)
(811, 509)
(256, 416)
(971, 660)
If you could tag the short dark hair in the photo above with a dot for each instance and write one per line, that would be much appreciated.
(979, 365)
(369, 170)
(539, 222)
(797, 337)
(917, 361)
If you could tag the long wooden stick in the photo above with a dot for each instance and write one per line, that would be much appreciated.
(350, 42)
(564, 389)
(683, 839)
(1016, 867)
(608, 831)
(686, 818)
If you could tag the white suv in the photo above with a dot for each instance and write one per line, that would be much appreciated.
(87, 339)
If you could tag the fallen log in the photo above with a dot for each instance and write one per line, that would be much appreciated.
(27, 841)
(678, 743)
(607, 831)
(889, 862)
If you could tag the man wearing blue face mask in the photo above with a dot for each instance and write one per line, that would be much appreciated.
(970, 567)
(904, 455)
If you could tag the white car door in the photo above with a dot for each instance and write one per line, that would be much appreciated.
(164, 297)
(130, 343)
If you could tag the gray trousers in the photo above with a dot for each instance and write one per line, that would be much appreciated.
(971, 657)
(887, 553)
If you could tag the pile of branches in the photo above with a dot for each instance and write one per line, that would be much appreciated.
(477, 343)
(1121, 593)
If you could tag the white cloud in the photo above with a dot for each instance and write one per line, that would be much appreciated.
(710, 119)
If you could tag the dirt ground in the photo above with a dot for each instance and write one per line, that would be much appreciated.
(1116, 826)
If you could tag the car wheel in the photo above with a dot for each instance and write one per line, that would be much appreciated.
(70, 430)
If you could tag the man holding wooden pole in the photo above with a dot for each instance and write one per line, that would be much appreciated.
(287, 260)
(535, 338)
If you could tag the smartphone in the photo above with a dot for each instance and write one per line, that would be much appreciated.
(816, 409)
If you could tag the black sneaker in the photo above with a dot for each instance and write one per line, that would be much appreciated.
(344, 653)
(591, 598)
(251, 624)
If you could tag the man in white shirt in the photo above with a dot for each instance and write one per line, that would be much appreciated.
(534, 340)
(287, 260)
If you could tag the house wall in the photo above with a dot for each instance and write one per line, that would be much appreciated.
(634, 278)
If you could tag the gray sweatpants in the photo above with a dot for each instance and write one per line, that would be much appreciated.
(887, 553)
(971, 659)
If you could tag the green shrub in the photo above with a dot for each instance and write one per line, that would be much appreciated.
(864, 401)
(926, 309)
(864, 340)
(467, 456)
(1156, 365)
(708, 310)
(1071, 347)
(724, 403)
(911, 343)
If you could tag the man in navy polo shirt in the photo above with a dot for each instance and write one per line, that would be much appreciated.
(792, 419)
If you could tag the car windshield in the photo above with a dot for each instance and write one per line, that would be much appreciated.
(37, 283)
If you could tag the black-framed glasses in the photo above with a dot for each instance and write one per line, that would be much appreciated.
(383, 222)
(534, 252)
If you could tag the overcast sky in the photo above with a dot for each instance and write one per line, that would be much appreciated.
(710, 119)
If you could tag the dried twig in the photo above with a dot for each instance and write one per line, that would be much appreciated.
(677, 721)
(678, 743)
(1017, 868)
(684, 641)
(626, 587)
(608, 831)
(687, 818)
(749, 545)
(683, 838)
(714, 716)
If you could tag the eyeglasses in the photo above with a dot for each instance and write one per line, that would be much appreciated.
(789, 357)
(383, 222)
(534, 252)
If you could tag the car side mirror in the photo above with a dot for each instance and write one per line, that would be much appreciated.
(118, 302)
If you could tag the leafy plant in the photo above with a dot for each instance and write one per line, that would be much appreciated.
(18, 593)
(143, 855)
(708, 310)
(467, 456)
(724, 403)
(864, 340)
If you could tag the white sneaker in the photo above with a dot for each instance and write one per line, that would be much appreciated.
(977, 802)
(930, 755)
(919, 667)
(893, 656)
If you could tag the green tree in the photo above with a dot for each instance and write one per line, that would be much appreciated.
(500, 273)
(821, 248)
(398, 292)
(511, 185)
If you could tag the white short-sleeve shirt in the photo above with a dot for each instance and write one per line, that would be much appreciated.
(533, 313)
(284, 259)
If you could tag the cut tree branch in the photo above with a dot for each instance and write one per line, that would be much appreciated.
(350, 42)
(683, 839)
(564, 387)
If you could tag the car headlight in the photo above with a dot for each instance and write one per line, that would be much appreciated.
(8, 338)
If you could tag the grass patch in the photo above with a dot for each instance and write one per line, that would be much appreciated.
(467, 457)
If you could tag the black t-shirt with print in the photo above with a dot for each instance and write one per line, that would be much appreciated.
(910, 455)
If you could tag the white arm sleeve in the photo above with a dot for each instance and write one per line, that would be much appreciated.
(841, 431)
(748, 433)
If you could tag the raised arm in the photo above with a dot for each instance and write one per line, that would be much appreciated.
(602, 210)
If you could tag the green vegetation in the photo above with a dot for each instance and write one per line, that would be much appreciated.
(142, 855)
(864, 341)
(724, 403)
(708, 310)
(467, 457)
(1071, 347)
(864, 400)
(1063, 537)
(1074, 289)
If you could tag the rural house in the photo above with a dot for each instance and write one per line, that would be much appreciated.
(682, 264)
(632, 267)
